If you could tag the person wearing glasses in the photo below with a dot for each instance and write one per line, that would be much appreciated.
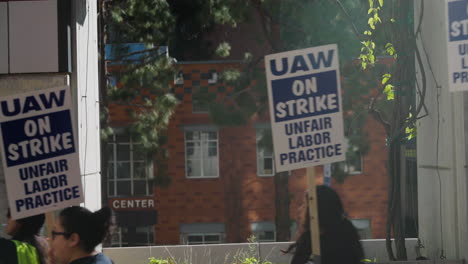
(25, 245)
(76, 233)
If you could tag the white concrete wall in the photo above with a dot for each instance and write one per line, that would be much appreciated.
(3, 38)
(85, 83)
(441, 144)
(225, 253)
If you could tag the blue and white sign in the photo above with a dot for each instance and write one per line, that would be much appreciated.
(457, 47)
(305, 107)
(39, 152)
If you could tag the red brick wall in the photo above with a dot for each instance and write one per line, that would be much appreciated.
(239, 197)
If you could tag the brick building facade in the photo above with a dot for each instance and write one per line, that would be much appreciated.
(222, 187)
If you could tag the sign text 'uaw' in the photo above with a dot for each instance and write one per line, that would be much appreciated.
(39, 152)
(305, 107)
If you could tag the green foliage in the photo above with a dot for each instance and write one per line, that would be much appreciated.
(145, 21)
(223, 50)
(302, 25)
(142, 79)
(251, 256)
(161, 261)
(369, 50)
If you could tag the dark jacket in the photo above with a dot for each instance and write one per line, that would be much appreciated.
(340, 246)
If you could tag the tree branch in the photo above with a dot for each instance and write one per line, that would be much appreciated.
(342, 8)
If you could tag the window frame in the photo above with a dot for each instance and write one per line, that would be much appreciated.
(263, 227)
(261, 156)
(185, 238)
(119, 231)
(112, 174)
(355, 172)
(201, 141)
(346, 163)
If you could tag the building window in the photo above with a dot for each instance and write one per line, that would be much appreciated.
(265, 160)
(130, 172)
(142, 236)
(213, 77)
(179, 78)
(264, 231)
(203, 238)
(201, 154)
(202, 233)
(363, 227)
(354, 162)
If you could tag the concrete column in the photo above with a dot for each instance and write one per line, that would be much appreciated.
(85, 83)
(441, 148)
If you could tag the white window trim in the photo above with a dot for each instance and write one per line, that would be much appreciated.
(113, 178)
(185, 239)
(217, 156)
(273, 171)
(261, 227)
(179, 78)
(213, 78)
(120, 243)
(355, 172)
(361, 159)
(257, 236)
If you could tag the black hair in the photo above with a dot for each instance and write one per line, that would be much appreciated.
(91, 227)
(28, 232)
(339, 240)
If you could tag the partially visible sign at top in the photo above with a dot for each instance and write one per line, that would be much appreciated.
(457, 45)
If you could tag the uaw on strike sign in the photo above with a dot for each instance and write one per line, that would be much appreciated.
(39, 152)
(457, 45)
(305, 107)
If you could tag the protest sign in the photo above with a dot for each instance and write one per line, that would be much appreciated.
(305, 107)
(39, 152)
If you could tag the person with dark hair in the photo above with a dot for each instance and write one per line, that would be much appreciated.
(77, 231)
(339, 239)
(25, 245)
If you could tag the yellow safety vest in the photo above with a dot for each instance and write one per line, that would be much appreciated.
(27, 254)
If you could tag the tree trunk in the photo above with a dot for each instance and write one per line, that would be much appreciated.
(404, 83)
(394, 217)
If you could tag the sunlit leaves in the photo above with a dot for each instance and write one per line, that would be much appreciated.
(388, 90)
(230, 76)
(386, 77)
(411, 132)
(223, 50)
(390, 49)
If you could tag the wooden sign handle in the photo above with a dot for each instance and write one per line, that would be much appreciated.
(313, 215)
